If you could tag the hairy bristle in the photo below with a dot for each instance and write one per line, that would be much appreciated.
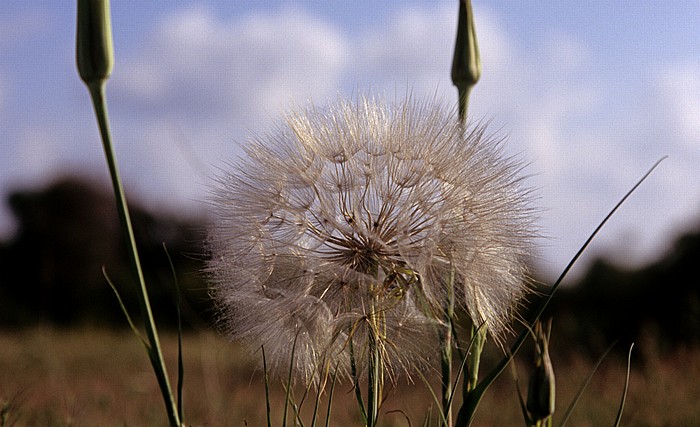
(367, 201)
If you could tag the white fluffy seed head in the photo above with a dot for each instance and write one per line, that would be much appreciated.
(366, 200)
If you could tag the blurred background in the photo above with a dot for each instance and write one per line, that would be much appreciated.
(588, 94)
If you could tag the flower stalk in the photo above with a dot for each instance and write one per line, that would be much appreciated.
(376, 368)
(466, 71)
(446, 344)
(95, 60)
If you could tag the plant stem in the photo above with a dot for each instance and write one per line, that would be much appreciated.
(97, 93)
(375, 376)
(375, 373)
(446, 351)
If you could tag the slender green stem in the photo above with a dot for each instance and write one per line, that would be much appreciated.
(463, 92)
(446, 351)
(97, 92)
(375, 376)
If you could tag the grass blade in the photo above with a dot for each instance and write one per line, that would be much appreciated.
(581, 389)
(178, 308)
(443, 419)
(627, 383)
(133, 327)
(465, 359)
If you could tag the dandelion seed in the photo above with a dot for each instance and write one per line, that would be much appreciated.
(363, 210)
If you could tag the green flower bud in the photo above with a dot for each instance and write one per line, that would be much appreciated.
(541, 389)
(94, 51)
(466, 63)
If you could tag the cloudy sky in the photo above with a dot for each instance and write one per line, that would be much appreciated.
(590, 94)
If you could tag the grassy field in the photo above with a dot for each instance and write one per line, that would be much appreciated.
(84, 377)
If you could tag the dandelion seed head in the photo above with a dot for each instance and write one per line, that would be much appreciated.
(365, 201)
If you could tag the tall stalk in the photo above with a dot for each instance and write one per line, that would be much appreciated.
(95, 59)
(466, 71)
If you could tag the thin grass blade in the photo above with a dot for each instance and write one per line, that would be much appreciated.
(178, 308)
(627, 383)
(443, 419)
(583, 386)
(133, 327)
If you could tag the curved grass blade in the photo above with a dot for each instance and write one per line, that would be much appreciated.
(460, 371)
(521, 400)
(471, 401)
(443, 419)
(627, 383)
(583, 386)
(133, 327)
(178, 308)
(399, 411)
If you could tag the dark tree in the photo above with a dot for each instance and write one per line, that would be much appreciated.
(51, 271)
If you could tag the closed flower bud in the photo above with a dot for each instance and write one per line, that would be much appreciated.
(541, 389)
(466, 63)
(94, 52)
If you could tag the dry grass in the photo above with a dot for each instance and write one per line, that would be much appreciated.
(84, 377)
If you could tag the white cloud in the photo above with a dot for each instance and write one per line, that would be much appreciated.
(242, 70)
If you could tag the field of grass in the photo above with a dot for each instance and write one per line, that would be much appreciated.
(51, 377)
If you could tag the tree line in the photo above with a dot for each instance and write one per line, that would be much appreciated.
(51, 272)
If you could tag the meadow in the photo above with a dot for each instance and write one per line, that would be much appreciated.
(101, 377)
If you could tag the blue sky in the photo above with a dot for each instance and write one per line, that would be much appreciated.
(590, 94)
